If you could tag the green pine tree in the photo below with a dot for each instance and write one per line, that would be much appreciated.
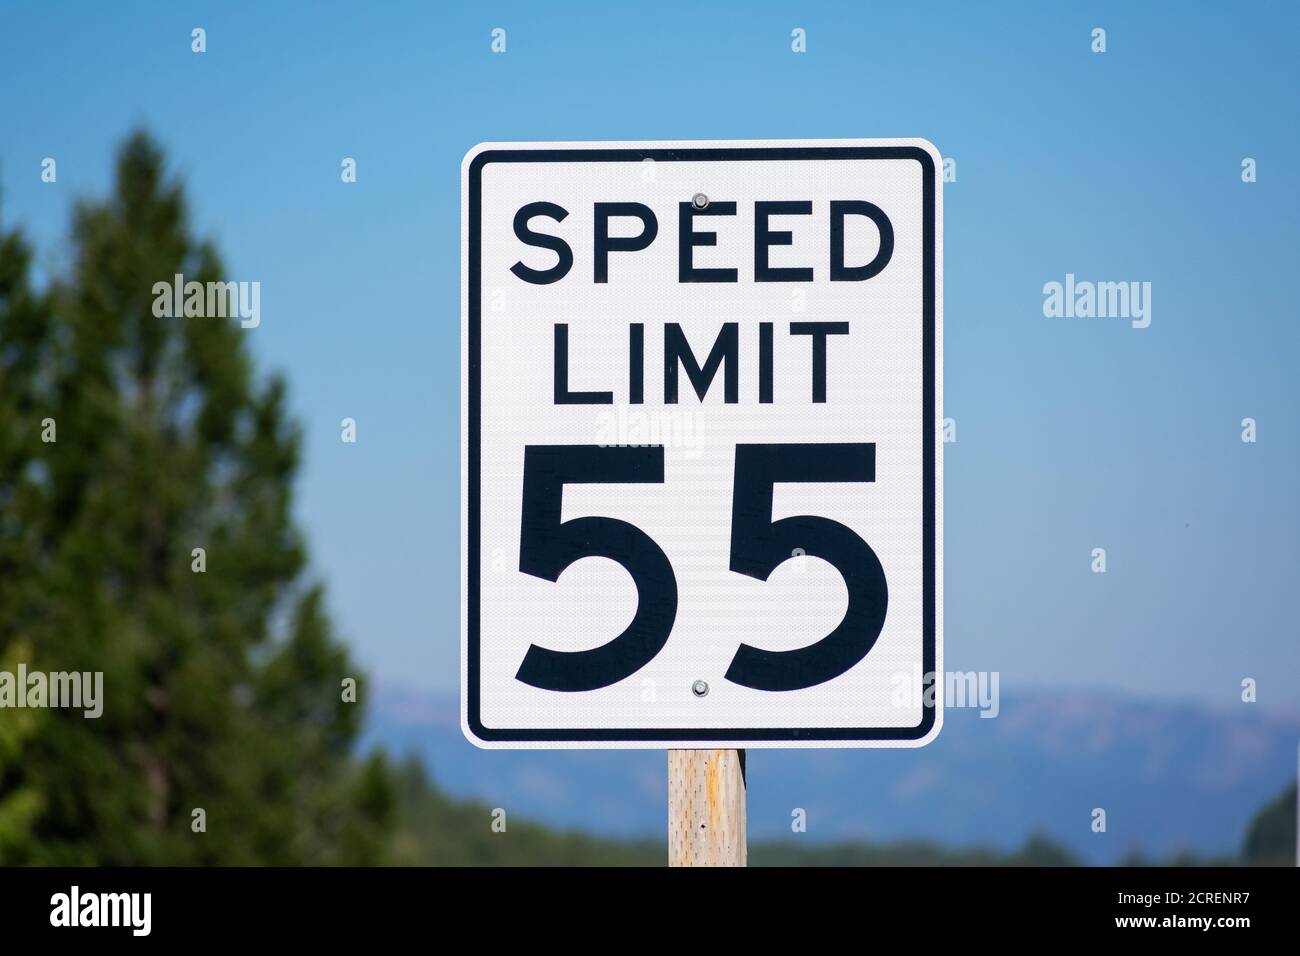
(222, 688)
(1271, 835)
(22, 319)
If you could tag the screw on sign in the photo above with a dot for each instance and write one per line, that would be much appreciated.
(645, 561)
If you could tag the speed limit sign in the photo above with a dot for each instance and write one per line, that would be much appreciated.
(701, 458)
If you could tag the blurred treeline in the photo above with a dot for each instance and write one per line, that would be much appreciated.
(127, 442)
(433, 829)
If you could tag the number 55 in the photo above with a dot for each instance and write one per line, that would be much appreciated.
(758, 545)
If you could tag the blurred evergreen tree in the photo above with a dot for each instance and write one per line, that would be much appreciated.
(1271, 835)
(23, 315)
(222, 689)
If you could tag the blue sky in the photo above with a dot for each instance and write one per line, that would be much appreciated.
(1072, 433)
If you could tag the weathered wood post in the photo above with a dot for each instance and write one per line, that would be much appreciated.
(706, 808)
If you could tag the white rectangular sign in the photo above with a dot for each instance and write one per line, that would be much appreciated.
(701, 457)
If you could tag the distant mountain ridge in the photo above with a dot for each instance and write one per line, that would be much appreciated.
(1171, 777)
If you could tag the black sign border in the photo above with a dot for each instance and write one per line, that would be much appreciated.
(474, 425)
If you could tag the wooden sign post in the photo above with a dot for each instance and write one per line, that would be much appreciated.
(706, 808)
